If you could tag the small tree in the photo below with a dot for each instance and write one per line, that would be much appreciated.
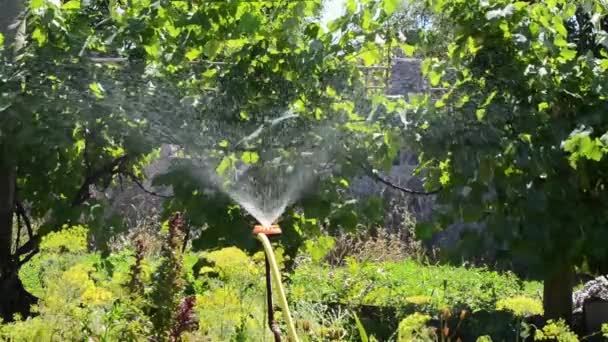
(513, 144)
(98, 85)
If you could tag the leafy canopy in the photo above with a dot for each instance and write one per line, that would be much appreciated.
(100, 86)
(517, 141)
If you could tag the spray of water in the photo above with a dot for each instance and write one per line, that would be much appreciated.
(285, 165)
(263, 163)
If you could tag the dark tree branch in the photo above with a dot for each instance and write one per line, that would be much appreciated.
(186, 237)
(376, 175)
(30, 246)
(108, 169)
(21, 213)
(142, 187)
(18, 239)
(28, 257)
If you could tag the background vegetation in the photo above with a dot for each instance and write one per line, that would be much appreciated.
(510, 143)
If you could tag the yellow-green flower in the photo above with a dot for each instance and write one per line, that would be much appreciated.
(520, 306)
(418, 300)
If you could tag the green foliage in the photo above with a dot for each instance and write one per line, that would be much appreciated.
(414, 328)
(429, 288)
(72, 239)
(103, 118)
(319, 248)
(85, 295)
(605, 329)
(521, 306)
(92, 143)
(81, 294)
(555, 331)
(229, 261)
(515, 142)
(59, 252)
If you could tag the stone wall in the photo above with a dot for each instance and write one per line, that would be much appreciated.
(402, 209)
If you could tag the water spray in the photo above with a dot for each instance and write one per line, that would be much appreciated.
(272, 272)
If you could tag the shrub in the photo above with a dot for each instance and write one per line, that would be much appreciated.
(414, 328)
(555, 331)
(397, 284)
(520, 306)
(68, 239)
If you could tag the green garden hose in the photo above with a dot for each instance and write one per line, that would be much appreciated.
(276, 275)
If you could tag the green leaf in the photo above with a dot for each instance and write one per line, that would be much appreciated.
(211, 48)
(371, 54)
(351, 6)
(434, 78)
(71, 5)
(39, 36)
(1, 40)
(248, 23)
(526, 138)
(480, 114)
(224, 165)
(560, 42)
(592, 149)
(153, 49)
(558, 25)
(36, 4)
(472, 45)
(331, 91)
(210, 73)
(567, 54)
(408, 50)
(97, 89)
(361, 329)
(250, 157)
(193, 54)
(390, 6)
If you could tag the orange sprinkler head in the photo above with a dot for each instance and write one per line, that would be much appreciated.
(273, 229)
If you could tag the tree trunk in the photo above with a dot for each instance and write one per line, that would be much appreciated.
(557, 294)
(7, 204)
(13, 297)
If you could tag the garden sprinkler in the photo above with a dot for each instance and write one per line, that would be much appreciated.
(272, 272)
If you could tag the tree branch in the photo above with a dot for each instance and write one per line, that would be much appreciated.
(376, 175)
(142, 187)
(20, 210)
(19, 225)
(30, 246)
(108, 169)
(28, 257)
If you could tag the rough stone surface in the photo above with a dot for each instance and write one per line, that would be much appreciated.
(406, 77)
(593, 289)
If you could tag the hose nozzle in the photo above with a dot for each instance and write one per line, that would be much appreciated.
(273, 229)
